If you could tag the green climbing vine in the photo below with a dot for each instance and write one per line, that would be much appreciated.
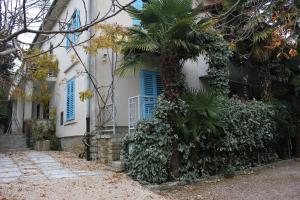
(218, 54)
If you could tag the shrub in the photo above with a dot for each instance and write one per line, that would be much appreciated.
(45, 130)
(55, 144)
(215, 134)
(249, 132)
(286, 126)
(147, 152)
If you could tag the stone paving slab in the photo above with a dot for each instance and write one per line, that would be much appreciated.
(35, 166)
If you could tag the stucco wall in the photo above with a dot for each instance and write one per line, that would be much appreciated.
(125, 87)
(67, 71)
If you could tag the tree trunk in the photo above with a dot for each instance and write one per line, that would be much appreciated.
(265, 82)
(171, 78)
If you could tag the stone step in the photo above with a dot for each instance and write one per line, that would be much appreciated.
(14, 150)
(116, 166)
(13, 141)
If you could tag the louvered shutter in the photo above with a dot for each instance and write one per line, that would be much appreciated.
(74, 26)
(159, 85)
(77, 23)
(151, 88)
(139, 6)
(68, 38)
(148, 92)
(71, 100)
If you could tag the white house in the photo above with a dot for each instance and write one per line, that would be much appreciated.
(133, 97)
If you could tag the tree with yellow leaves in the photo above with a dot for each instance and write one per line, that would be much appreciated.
(37, 69)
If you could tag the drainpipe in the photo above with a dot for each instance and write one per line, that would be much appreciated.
(88, 84)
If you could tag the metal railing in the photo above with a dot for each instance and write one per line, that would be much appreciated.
(52, 74)
(139, 107)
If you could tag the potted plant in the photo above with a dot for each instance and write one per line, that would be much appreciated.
(40, 132)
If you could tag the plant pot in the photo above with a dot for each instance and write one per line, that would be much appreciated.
(43, 145)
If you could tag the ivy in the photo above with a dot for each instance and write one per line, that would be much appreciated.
(215, 134)
(218, 53)
(147, 152)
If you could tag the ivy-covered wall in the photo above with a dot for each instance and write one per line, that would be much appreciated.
(244, 136)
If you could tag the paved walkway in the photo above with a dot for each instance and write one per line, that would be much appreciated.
(35, 166)
(61, 175)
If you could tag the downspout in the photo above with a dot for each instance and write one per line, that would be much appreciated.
(88, 84)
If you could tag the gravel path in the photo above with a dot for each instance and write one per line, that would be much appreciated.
(62, 176)
(280, 181)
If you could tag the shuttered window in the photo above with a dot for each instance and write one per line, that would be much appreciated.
(151, 86)
(71, 38)
(138, 4)
(70, 100)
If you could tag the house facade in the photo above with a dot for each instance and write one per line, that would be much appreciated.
(127, 99)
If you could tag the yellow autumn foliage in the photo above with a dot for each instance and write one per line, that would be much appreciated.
(38, 66)
(85, 95)
(108, 36)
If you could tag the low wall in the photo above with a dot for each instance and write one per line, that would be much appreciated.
(72, 144)
(107, 147)
(104, 148)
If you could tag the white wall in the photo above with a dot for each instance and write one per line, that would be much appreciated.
(125, 87)
(69, 70)
(193, 70)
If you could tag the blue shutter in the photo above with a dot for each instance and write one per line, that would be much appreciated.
(68, 37)
(77, 19)
(159, 85)
(74, 25)
(77, 23)
(139, 6)
(68, 101)
(151, 86)
(67, 40)
(71, 100)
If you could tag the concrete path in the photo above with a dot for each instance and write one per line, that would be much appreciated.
(35, 166)
(278, 181)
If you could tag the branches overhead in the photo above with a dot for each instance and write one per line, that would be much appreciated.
(18, 17)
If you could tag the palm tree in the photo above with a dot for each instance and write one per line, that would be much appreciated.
(262, 34)
(170, 31)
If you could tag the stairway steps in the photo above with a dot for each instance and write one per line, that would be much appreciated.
(116, 166)
(12, 141)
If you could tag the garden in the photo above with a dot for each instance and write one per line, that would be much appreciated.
(193, 133)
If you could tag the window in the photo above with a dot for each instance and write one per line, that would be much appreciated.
(61, 118)
(138, 4)
(51, 48)
(38, 111)
(70, 99)
(151, 87)
(71, 38)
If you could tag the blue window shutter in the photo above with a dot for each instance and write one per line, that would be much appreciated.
(77, 19)
(151, 85)
(68, 38)
(139, 6)
(74, 26)
(68, 101)
(71, 100)
(159, 85)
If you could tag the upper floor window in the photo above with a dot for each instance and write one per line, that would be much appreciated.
(51, 48)
(138, 4)
(71, 38)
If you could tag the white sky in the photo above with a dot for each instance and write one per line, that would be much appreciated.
(28, 37)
